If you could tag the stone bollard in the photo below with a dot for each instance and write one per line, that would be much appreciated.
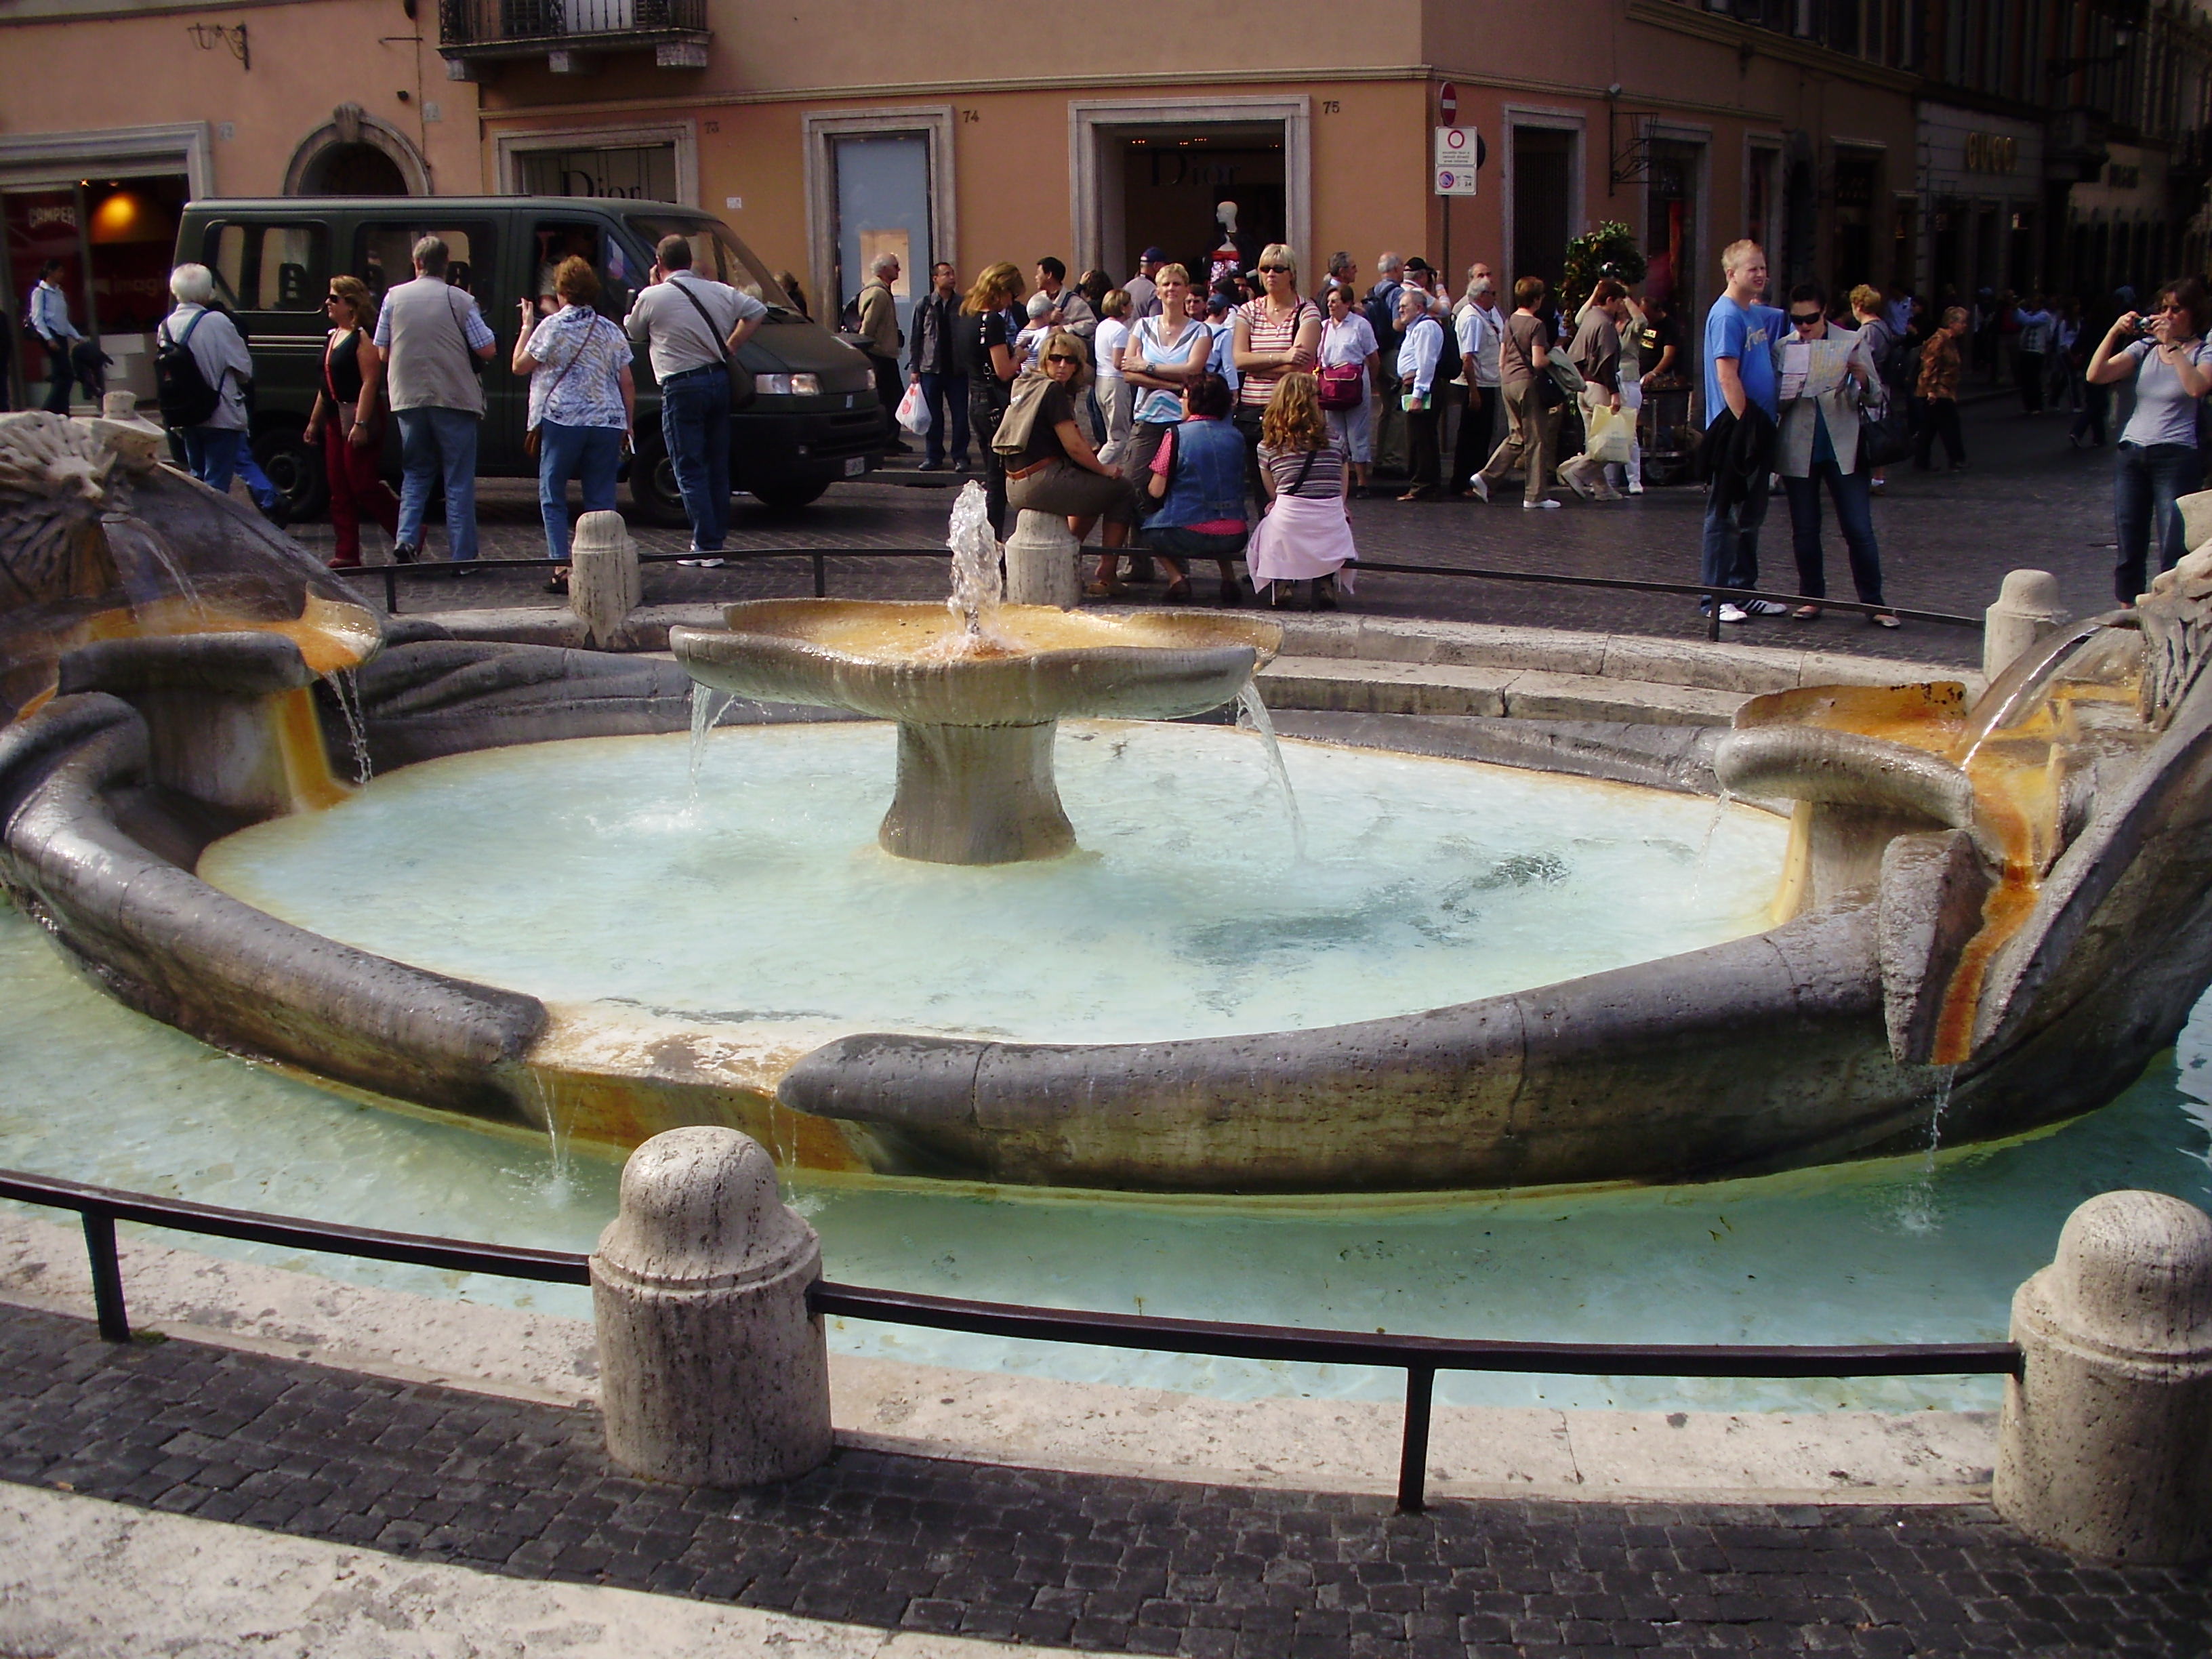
(712, 1372)
(1041, 565)
(2105, 1444)
(2028, 608)
(603, 579)
(2195, 511)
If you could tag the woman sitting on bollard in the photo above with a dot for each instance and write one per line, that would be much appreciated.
(1305, 537)
(2159, 461)
(1198, 477)
(583, 402)
(1056, 470)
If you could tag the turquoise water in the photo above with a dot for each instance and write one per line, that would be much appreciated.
(588, 871)
(1915, 1249)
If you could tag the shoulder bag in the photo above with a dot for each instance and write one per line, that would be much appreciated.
(532, 441)
(742, 389)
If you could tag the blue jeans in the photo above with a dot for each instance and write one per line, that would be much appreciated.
(940, 392)
(58, 378)
(1854, 498)
(563, 451)
(695, 424)
(431, 441)
(1731, 550)
(2146, 483)
(212, 454)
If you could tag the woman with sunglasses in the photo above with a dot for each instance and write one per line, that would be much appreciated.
(2159, 461)
(348, 420)
(983, 349)
(1058, 471)
(1272, 335)
(1826, 372)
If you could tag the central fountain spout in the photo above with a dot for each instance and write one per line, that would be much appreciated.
(979, 702)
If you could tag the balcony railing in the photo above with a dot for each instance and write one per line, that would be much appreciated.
(571, 32)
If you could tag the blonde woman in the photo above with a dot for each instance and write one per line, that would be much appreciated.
(982, 349)
(1058, 471)
(348, 420)
(1275, 335)
(1305, 537)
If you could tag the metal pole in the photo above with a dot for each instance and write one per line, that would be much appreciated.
(16, 393)
(391, 593)
(106, 1276)
(1413, 1452)
(821, 577)
(84, 256)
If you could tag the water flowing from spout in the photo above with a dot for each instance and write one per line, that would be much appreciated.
(148, 570)
(978, 587)
(1705, 844)
(1918, 1211)
(706, 707)
(2021, 686)
(347, 690)
(1253, 711)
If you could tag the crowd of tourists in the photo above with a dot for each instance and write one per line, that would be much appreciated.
(1226, 420)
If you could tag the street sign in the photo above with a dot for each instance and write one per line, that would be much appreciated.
(1458, 154)
(1448, 104)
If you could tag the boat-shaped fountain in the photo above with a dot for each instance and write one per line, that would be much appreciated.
(1994, 911)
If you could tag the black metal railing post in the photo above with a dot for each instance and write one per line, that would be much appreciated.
(821, 577)
(1413, 1449)
(107, 1275)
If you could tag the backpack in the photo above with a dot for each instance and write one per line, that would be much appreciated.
(180, 386)
(1382, 315)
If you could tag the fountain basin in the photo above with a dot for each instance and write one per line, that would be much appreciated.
(975, 707)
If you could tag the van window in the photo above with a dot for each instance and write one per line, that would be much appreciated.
(556, 239)
(715, 253)
(384, 256)
(269, 267)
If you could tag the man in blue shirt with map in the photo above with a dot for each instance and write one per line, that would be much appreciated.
(1740, 335)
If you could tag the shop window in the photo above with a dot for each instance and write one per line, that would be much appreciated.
(642, 173)
(269, 267)
(384, 254)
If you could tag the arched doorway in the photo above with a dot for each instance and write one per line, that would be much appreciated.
(352, 170)
(356, 154)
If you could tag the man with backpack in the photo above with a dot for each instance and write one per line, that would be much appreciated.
(202, 369)
(875, 321)
(47, 316)
(433, 338)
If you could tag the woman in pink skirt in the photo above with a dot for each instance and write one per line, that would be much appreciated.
(1305, 537)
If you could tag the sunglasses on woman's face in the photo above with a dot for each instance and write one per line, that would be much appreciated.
(1061, 358)
(1805, 322)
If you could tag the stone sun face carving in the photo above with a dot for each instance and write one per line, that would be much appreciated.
(56, 478)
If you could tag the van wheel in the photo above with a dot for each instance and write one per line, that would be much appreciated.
(295, 467)
(787, 496)
(652, 490)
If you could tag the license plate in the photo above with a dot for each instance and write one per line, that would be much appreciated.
(856, 466)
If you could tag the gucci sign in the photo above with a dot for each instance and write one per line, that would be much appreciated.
(1991, 152)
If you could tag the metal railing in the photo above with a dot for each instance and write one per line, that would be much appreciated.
(1419, 1357)
(442, 570)
(492, 23)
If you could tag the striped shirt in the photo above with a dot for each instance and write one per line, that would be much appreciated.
(1323, 479)
(1270, 333)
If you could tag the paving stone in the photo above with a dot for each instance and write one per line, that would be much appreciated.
(1025, 1556)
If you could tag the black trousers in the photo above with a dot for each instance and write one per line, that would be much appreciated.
(1477, 427)
(1424, 430)
(983, 418)
(1941, 420)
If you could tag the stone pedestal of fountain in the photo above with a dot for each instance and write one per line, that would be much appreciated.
(603, 578)
(1041, 563)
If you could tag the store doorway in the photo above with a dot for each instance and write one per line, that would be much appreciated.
(1670, 220)
(1174, 185)
(883, 207)
(1543, 175)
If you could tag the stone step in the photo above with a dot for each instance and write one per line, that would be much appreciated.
(1373, 686)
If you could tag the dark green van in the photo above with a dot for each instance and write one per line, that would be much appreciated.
(814, 419)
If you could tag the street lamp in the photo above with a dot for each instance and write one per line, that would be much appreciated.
(2123, 36)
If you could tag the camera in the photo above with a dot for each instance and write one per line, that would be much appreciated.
(2143, 327)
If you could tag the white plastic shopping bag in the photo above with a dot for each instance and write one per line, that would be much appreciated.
(912, 409)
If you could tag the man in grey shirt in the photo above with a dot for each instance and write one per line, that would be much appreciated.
(690, 325)
(428, 331)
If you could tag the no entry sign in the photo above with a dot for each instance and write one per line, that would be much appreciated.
(1448, 104)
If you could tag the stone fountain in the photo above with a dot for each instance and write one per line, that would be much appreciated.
(977, 696)
(1994, 911)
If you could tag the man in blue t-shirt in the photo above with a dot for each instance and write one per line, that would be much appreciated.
(1740, 336)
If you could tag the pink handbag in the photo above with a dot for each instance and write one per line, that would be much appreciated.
(1339, 386)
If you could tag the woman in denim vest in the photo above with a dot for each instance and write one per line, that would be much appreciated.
(1198, 478)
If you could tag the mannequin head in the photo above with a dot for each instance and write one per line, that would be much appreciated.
(1225, 214)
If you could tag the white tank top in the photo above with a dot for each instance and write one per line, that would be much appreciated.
(1163, 408)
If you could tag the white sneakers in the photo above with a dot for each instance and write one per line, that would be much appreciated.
(1548, 503)
(1479, 485)
(1766, 608)
(1736, 613)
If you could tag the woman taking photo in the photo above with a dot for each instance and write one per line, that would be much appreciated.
(983, 350)
(1305, 537)
(582, 401)
(1347, 343)
(348, 420)
(2158, 461)
(1057, 470)
(1272, 335)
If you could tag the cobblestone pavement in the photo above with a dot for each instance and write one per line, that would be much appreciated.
(1947, 542)
(1117, 1565)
